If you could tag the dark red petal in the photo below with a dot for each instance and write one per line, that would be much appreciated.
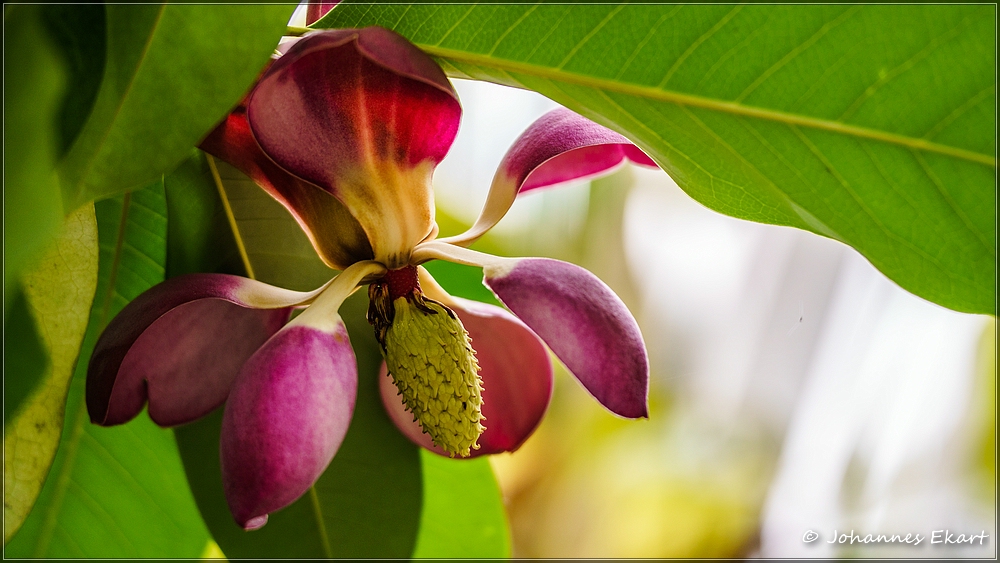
(316, 10)
(179, 345)
(366, 116)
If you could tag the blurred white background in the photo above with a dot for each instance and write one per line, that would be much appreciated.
(794, 387)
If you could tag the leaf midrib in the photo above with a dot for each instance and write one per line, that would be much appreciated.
(713, 104)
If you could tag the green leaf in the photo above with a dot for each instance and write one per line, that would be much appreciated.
(171, 73)
(275, 250)
(21, 371)
(463, 514)
(872, 125)
(121, 491)
(199, 238)
(58, 292)
(34, 76)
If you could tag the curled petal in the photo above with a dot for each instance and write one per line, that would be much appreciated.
(516, 372)
(559, 147)
(180, 344)
(583, 322)
(366, 116)
(285, 418)
(335, 234)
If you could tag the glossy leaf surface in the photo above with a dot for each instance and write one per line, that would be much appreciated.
(463, 513)
(116, 492)
(34, 78)
(872, 125)
(171, 73)
(59, 292)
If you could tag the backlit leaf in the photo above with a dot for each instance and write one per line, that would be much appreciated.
(873, 125)
(121, 491)
(59, 292)
(172, 71)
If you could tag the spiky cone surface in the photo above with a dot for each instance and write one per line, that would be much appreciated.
(430, 356)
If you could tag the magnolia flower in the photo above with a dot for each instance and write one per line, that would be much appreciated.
(345, 130)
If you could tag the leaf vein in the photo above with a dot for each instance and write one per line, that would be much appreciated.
(597, 28)
(650, 93)
(511, 28)
(797, 50)
(868, 92)
(646, 39)
(697, 43)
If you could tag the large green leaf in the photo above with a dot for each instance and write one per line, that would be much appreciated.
(59, 292)
(275, 248)
(463, 514)
(116, 492)
(34, 76)
(379, 497)
(873, 125)
(80, 33)
(171, 72)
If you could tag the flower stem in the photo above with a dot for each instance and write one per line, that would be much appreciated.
(339, 289)
(296, 31)
(438, 250)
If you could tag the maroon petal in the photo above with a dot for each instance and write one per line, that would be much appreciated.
(517, 379)
(180, 345)
(559, 147)
(316, 10)
(286, 417)
(335, 234)
(583, 322)
(366, 116)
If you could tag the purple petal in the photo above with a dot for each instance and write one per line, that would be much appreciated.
(316, 10)
(584, 323)
(558, 147)
(335, 234)
(562, 146)
(365, 115)
(286, 416)
(517, 380)
(180, 345)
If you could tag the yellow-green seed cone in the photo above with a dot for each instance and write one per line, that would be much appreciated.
(430, 357)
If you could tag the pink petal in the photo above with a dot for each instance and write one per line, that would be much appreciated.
(559, 147)
(365, 115)
(315, 11)
(584, 323)
(335, 234)
(286, 416)
(562, 146)
(179, 345)
(517, 380)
